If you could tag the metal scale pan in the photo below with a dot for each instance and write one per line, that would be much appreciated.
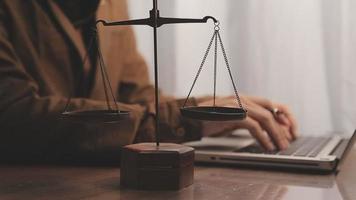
(214, 113)
(95, 116)
(211, 113)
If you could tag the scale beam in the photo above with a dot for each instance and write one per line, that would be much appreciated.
(160, 21)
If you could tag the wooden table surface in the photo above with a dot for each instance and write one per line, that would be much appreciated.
(215, 183)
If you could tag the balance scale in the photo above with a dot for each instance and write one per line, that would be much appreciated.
(159, 166)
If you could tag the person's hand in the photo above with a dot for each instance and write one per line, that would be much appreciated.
(272, 124)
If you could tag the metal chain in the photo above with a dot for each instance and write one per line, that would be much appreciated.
(215, 65)
(229, 70)
(200, 68)
(105, 77)
(85, 58)
(104, 73)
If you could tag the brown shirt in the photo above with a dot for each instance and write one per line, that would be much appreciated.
(41, 55)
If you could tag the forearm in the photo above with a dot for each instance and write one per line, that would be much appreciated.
(32, 124)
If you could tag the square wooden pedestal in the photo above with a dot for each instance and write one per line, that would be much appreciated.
(150, 167)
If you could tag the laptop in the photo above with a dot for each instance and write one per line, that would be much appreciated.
(306, 154)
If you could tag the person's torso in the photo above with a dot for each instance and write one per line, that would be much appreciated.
(52, 51)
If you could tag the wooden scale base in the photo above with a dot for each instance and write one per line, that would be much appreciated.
(147, 166)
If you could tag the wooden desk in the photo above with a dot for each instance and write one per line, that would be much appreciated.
(215, 183)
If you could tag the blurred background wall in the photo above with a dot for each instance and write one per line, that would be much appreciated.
(300, 53)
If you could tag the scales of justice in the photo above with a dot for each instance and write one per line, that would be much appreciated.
(160, 166)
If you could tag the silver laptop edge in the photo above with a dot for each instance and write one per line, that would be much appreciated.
(324, 161)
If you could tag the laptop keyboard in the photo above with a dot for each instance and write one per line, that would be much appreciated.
(304, 146)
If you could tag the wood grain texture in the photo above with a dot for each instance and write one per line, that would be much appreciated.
(210, 183)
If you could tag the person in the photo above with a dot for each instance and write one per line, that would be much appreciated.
(43, 44)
